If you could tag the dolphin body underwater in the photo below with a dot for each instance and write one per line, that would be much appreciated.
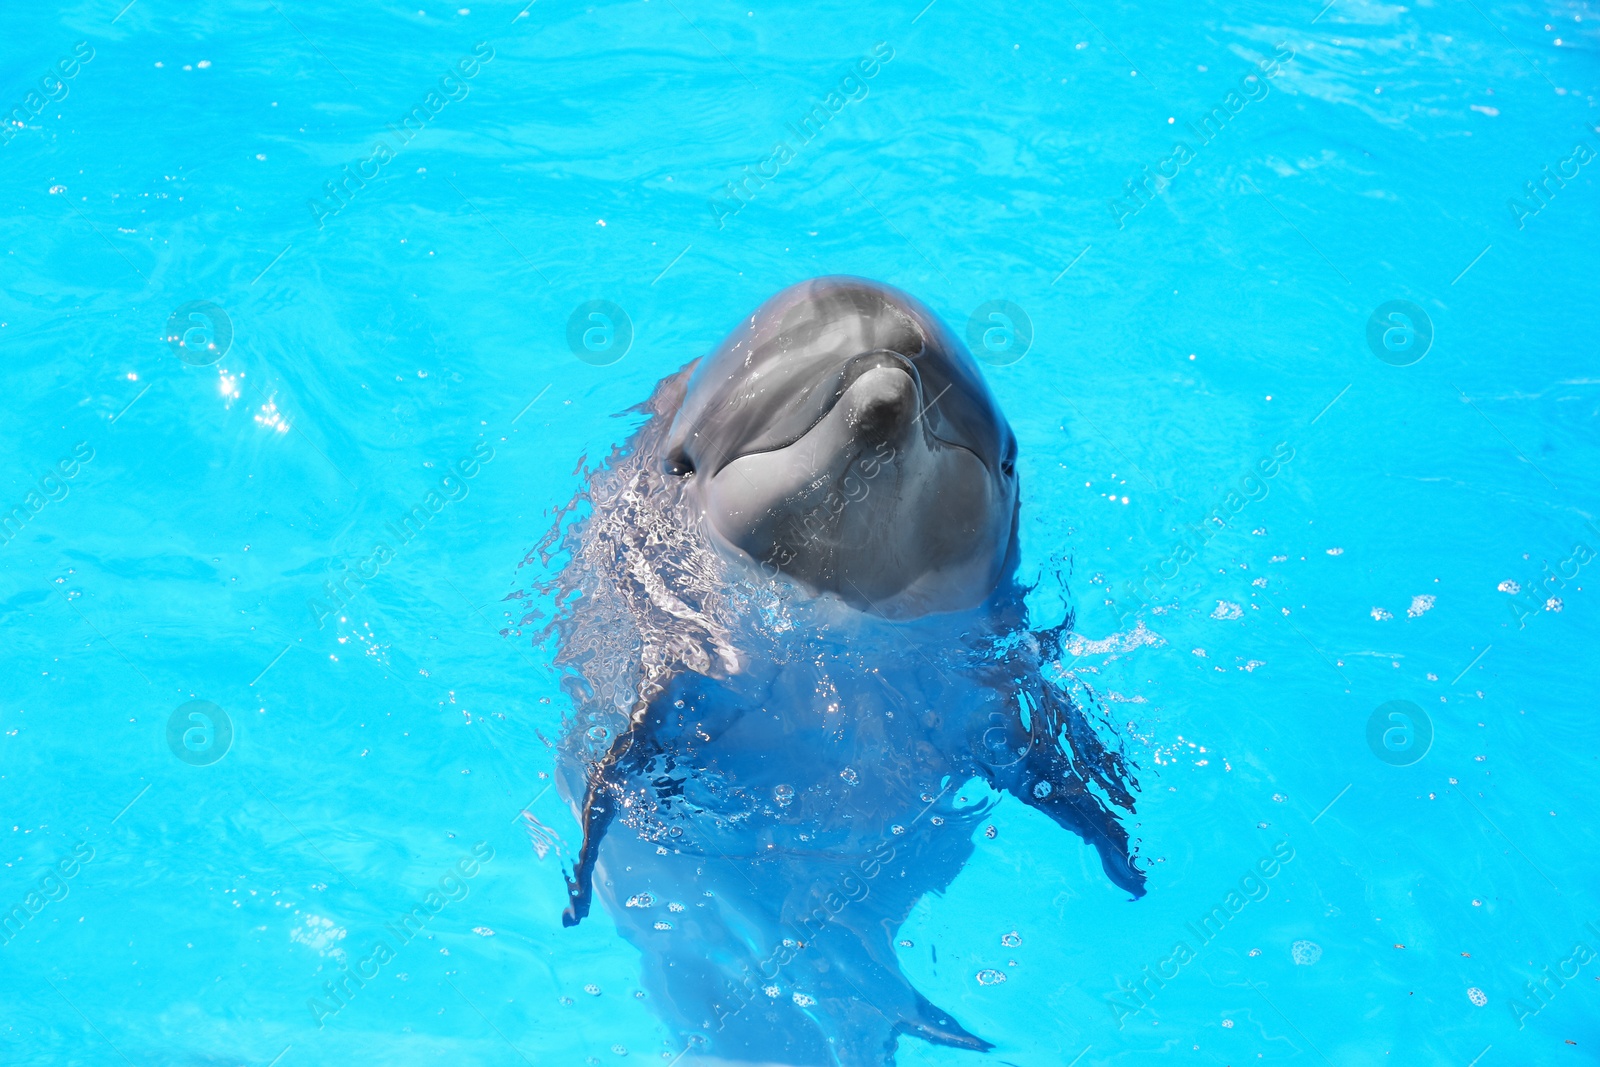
(802, 673)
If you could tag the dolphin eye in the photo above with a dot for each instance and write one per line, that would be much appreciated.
(1008, 468)
(679, 464)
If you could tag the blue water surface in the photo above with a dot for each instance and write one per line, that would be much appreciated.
(243, 345)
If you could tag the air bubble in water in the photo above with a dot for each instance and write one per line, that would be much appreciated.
(1305, 953)
(784, 795)
(1011, 940)
(850, 776)
(1041, 790)
(803, 1000)
(598, 734)
(1477, 996)
(990, 976)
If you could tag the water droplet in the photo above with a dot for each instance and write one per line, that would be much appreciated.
(1011, 940)
(990, 976)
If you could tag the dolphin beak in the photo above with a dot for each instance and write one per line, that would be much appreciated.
(882, 403)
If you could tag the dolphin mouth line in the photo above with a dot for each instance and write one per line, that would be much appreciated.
(846, 376)
(853, 370)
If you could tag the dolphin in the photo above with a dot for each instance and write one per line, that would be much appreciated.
(802, 673)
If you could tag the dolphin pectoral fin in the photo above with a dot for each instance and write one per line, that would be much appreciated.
(1065, 770)
(936, 1026)
(1047, 782)
(598, 811)
(599, 808)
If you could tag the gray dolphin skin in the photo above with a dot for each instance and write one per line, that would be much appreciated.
(802, 674)
(824, 376)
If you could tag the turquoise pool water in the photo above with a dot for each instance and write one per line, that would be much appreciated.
(243, 343)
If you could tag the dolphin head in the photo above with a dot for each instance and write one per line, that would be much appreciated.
(843, 436)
